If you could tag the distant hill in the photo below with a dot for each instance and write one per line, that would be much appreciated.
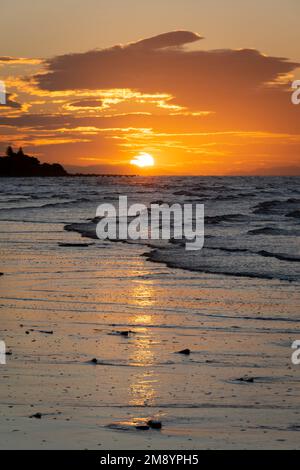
(19, 164)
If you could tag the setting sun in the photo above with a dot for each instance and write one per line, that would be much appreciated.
(143, 160)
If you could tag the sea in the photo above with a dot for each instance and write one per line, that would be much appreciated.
(252, 225)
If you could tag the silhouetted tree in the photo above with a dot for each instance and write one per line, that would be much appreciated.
(9, 151)
(21, 165)
(20, 152)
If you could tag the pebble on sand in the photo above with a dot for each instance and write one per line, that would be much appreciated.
(246, 379)
(125, 333)
(142, 427)
(187, 352)
(36, 415)
(154, 424)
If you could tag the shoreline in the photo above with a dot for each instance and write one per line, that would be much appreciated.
(94, 327)
(198, 398)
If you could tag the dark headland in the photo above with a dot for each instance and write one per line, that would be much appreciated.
(18, 164)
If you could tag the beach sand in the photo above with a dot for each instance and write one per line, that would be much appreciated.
(63, 306)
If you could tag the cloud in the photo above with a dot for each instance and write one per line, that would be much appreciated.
(19, 60)
(84, 104)
(155, 65)
(242, 87)
(172, 39)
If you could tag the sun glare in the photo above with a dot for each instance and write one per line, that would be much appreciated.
(143, 160)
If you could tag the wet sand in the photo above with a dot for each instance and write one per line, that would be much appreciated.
(62, 306)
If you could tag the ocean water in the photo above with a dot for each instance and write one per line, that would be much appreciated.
(252, 225)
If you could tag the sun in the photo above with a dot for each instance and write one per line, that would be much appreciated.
(143, 160)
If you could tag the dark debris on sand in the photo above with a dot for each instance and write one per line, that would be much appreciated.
(246, 379)
(36, 415)
(76, 245)
(125, 333)
(186, 352)
(154, 424)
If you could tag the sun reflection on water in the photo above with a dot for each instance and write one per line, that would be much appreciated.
(143, 387)
(142, 294)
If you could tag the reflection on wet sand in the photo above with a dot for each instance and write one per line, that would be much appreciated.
(142, 388)
(143, 294)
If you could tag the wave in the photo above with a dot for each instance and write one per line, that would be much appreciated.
(270, 231)
(46, 205)
(217, 219)
(275, 206)
(294, 214)
(242, 263)
(266, 254)
(279, 256)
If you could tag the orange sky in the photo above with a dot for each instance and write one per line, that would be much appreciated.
(195, 109)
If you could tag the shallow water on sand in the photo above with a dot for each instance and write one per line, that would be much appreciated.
(62, 306)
